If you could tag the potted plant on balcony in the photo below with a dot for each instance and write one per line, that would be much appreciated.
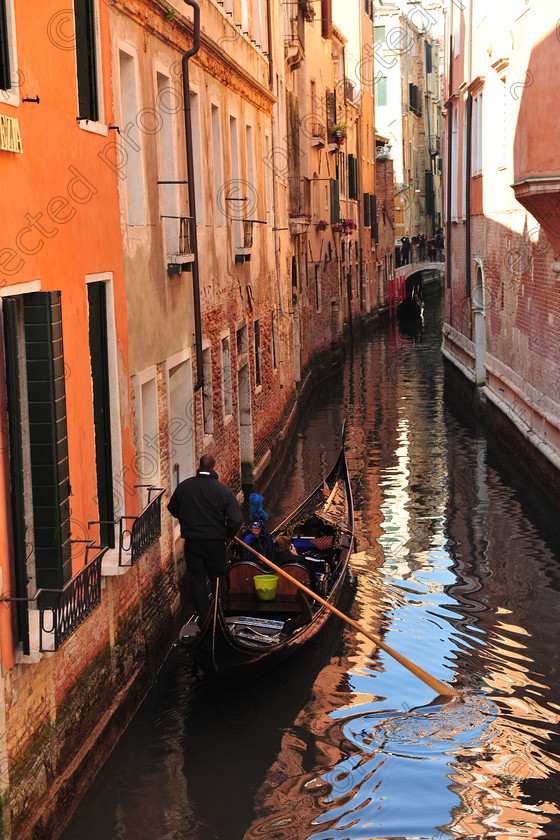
(322, 224)
(307, 10)
(338, 133)
(345, 226)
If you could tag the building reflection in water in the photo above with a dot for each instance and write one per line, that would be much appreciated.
(469, 586)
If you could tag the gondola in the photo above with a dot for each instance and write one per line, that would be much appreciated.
(241, 635)
(410, 309)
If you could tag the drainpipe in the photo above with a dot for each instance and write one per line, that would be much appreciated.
(272, 151)
(449, 156)
(468, 168)
(190, 178)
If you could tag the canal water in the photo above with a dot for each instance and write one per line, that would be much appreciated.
(457, 568)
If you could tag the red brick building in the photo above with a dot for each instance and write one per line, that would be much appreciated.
(502, 315)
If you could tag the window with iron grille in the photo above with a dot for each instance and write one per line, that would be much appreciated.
(86, 64)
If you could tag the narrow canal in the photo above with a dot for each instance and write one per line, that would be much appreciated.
(458, 569)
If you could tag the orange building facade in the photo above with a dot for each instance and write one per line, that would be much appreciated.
(502, 171)
(67, 461)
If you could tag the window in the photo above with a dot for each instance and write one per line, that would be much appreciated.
(234, 208)
(454, 160)
(477, 134)
(168, 167)
(268, 177)
(197, 160)
(147, 456)
(86, 59)
(379, 35)
(207, 407)
(381, 91)
(274, 342)
(258, 369)
(241, 341)
(318, 288)
(218, 166)
(133, 183)
(226, 376)
(251, 190)
(180, 412)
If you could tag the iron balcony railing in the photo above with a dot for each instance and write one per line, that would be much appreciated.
(435, 145)
(68, 607)
(73, 604)
(135, 540)
(247, 233)
(185, 235)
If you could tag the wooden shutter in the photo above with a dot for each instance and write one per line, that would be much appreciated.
(15, 445)
(5, 79)
(335, 201)
(84, 22)
(46, 399)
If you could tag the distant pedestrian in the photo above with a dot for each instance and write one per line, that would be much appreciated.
(439, 244)
(431, 248)
(422, 247)
(208, 513)
(406, 248)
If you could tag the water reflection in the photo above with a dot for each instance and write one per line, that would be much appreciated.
(458, 570)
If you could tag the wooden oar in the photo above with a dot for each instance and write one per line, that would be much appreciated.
(437, 685)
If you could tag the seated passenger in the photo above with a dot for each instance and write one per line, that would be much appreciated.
(258, 539)
(285, 551)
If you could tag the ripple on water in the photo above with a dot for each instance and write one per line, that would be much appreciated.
(462, 723)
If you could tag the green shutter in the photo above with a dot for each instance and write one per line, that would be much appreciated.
(15, 443)
(335, 201)
(5, 77)
(48, 438)
(381, 90)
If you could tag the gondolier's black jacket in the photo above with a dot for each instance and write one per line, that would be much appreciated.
(206, 508)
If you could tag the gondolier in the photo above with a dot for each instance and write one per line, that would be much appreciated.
(208, 513)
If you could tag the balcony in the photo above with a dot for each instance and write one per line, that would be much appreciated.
(60, 611)
(247, 233)
(180, 242)
(318, 134)
(299, 204)
(435, 145)
(294, 36)
(134, 539)
(244, 239)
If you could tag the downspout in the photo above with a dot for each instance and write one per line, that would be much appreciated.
(192, 205)
(272, 152)
(449, 161)
(468, 168)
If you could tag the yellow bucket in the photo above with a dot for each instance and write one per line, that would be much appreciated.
(265, 587)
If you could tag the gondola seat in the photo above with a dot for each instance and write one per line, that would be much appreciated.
(240, 579)
(286, 590)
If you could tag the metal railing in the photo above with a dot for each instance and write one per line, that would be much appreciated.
(145, 528)
(69, 606)
(247, 233)
(73, 604)
(185, 235)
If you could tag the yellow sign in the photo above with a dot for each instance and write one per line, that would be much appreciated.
(10, 138)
